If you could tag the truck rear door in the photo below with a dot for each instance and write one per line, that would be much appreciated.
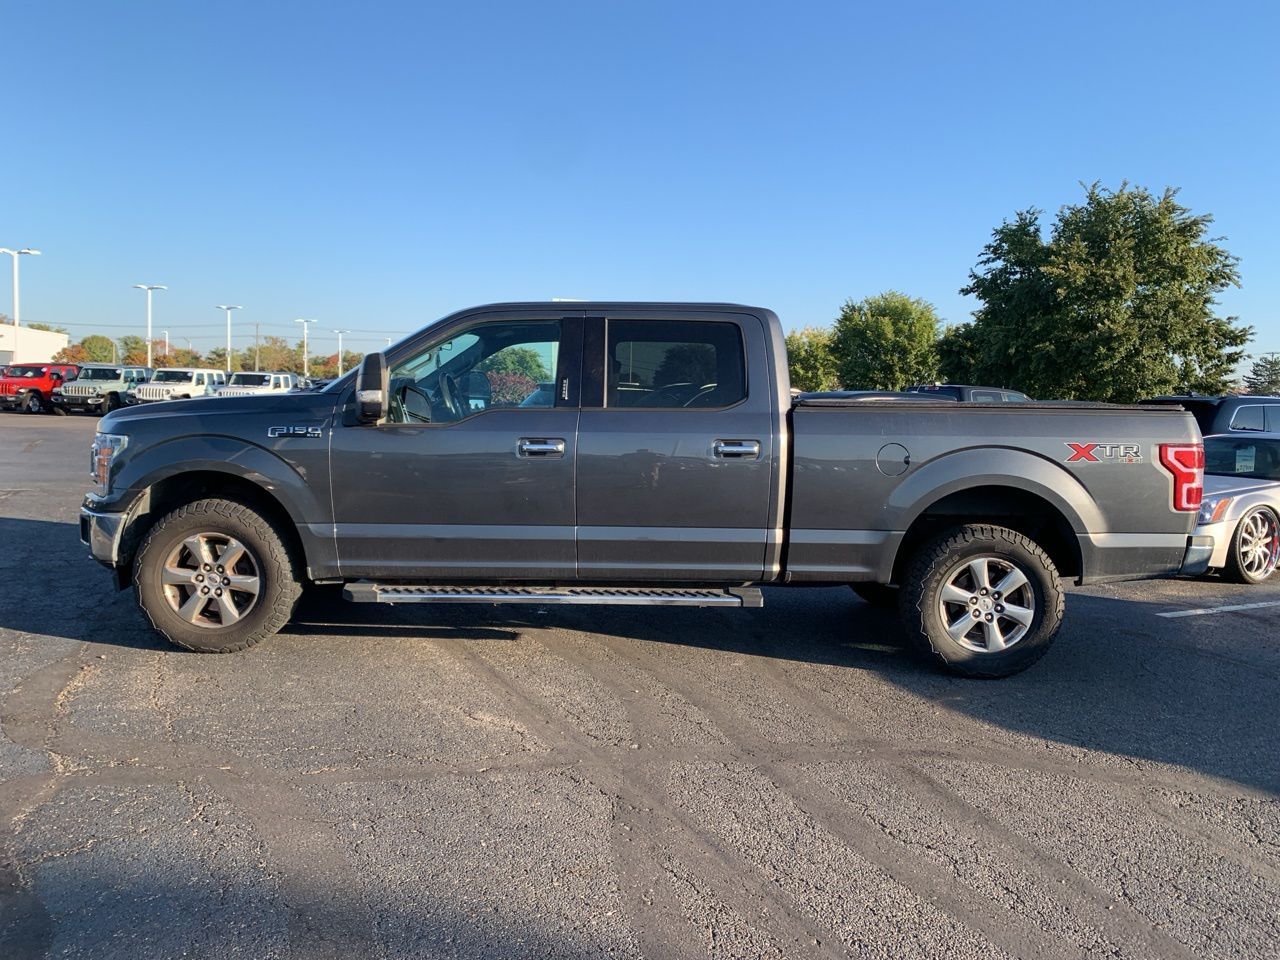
(677, 449)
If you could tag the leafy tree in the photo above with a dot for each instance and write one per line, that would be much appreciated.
(956, 349)
(275, 353)
(886, 342)
(47, 327)
(99, 349)
(1264, 376)
(179, 358)
(74, 353)
(509, 387)
(133, 349)
(811, 359)
(522, 360)
(1116, 305)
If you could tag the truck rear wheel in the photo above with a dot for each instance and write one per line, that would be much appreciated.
(216, 576)
(985, 600)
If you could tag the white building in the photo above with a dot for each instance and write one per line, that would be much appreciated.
(32, 346)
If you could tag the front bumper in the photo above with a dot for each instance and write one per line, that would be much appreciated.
(10, 401)
(1199, 552)
(101, 533)
(78, 403)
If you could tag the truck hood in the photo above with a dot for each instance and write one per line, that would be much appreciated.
(209, 414)
(1216, 486)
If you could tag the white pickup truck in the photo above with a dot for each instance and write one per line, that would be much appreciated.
(257, 382)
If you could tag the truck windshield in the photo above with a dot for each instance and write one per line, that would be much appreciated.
(1247, 457)
(24, 372)
(100, 373)
(250, 380)
(172, 376)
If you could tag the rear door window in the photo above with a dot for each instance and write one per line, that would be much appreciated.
(673, 364)
(1249, 417)
(986, 396)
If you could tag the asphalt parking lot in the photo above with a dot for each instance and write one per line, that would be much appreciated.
(622, 782)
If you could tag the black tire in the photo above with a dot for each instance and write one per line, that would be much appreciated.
(33, 402)
(276, 570)
(882, 596)
(945, 559)
(1237, 568)
(58, 410)
(112, 403)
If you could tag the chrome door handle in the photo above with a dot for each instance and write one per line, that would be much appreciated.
(736, 449)
(547, 447)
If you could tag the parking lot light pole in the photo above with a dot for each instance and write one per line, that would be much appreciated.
(228, 309)
(166, 343)
(17, 306)
(150, 288)
(340, 333)
(306, 363)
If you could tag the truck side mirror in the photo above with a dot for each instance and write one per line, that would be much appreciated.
(372, 389)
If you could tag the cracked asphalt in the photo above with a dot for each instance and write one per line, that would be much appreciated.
(619, 782)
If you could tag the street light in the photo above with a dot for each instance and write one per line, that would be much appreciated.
(149, 287)
(17, 309)
(228, 309)
(340, 333)
(166, 342)
(306, 367)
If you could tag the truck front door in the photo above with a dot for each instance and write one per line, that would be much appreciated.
(678, 453)
(472, 475)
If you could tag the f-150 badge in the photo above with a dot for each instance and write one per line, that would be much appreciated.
(1104, 452)
(312, 433)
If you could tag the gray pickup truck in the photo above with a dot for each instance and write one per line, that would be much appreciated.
(666, 464)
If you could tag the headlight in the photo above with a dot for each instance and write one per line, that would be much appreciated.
(1211, 511)
(106, 447)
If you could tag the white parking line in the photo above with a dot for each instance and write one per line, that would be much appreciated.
(1231, 608)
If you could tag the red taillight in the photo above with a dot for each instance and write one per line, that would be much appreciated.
(1186, 462)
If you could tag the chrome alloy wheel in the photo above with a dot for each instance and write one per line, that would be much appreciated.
(211, 580)
(986, 604)
(1259, 544)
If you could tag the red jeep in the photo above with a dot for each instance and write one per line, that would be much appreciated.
(28, 386)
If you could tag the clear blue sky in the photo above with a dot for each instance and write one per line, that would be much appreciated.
(376, 165)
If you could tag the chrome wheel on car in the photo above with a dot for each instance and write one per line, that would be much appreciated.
(986, 604)
(211, 580)
(1259, 544)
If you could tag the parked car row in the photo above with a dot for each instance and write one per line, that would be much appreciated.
(103, 387)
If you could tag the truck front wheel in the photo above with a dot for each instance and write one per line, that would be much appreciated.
(985, 600)
(215, 576)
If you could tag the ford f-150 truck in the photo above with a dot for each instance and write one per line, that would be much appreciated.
(667, 465)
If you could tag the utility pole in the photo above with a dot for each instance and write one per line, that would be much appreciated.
(17, 307)
(150, 288)
(306, 364)
(340, 333)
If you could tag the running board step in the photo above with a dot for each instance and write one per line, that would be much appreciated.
(367, 591)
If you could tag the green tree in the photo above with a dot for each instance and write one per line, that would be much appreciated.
(132, 350)
(811, 359)
(956, 349)
(886, 342)
(1263, 377)
(1116, 305)
(48, 327)
(522, 360)
(99, 349)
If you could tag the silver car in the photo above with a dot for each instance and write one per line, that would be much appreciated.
(1241, 506)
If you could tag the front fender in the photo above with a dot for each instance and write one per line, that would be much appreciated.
(284, 480)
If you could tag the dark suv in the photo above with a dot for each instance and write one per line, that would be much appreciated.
(1227, 414)
(969, 394)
